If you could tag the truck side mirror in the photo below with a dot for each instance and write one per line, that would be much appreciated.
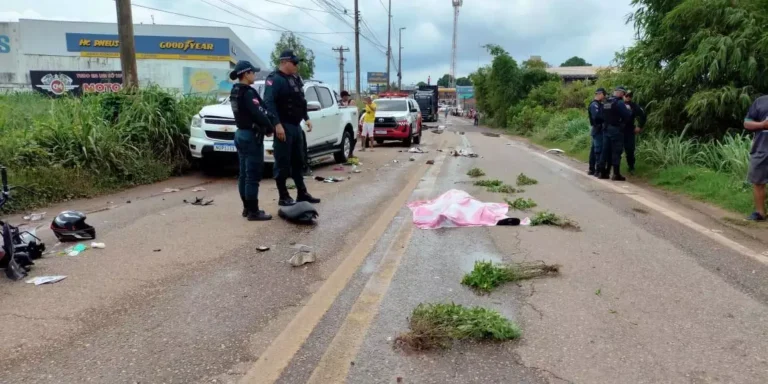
(314, 106)
(414, 110)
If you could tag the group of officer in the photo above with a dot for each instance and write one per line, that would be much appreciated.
(613, 131)
(281, 112)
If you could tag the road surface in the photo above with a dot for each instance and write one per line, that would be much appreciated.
(650, 291)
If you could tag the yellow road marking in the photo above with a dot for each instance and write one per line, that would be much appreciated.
(271, 363)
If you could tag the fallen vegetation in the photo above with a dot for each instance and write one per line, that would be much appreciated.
(549, 218)
(438, 325)
(497, 186)
(475, 172)
(522, 179)
(521, 204)
(486, 276)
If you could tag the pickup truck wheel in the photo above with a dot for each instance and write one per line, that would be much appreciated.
(417, 139)
(407, 142)
(346, 148)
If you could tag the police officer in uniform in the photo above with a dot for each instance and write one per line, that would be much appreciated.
(595, 112)
(284, 98)
(253, 123)
(632, 130)
(307, 168)
(616, 115)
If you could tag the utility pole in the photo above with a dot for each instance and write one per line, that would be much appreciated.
(341, 49)
(400, 61)
(127, 43)
(389, 41)
(357, 52)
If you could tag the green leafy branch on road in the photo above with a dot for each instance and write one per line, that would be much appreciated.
(475, 172)
(522, 179)
(438, 325)
(549, 218)
(521, 204)
(497, 186)
(486, 275)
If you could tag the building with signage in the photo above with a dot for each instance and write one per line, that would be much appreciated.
(447, 95)
(63, 56)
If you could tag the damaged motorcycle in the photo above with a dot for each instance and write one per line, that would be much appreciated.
(19, 246)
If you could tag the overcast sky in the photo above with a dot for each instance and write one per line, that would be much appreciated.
(552, 29)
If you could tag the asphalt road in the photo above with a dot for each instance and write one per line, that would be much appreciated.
(650, 291)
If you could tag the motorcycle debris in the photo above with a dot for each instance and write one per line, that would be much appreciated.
(98, 245)
(40, 280)
(170, 190)
(35, 216)
(262, 248)
(198, 189)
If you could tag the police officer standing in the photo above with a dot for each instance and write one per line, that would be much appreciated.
(616, 115)
(595, 111)
(284, 98)
(632, 130)
(253, 123)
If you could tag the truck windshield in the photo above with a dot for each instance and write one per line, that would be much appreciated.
(391, 105)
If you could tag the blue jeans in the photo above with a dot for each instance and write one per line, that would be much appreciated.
(250, 151)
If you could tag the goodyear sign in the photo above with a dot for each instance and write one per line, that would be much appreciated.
(377, 78)
(151, 47)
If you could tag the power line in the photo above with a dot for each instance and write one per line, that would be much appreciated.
(296, 6)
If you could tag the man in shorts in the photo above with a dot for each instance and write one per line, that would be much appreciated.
(368, 123)
(757, 122)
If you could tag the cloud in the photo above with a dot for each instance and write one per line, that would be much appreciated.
(553, 29)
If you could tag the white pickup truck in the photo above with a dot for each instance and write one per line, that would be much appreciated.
(212, 132)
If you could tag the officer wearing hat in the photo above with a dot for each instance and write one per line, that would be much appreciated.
(253, 123)
(595, 111)
(284, 98)
(632, 129)
(615, 116)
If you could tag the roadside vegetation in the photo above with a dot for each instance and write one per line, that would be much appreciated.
(695, 91)
(439, 325)
(487, 276)
(68, 148)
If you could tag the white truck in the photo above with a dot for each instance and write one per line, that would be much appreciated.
(212, 132)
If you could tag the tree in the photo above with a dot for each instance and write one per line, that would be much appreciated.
(535, 63)
(463, 81)
(421, 84)
(575, 62)
(444, 81)
(393, 87)
(289, 41)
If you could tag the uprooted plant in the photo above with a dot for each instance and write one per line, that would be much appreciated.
(475, 172)
(549, 218)
(522, 179)
(521, 204)
(438, 325)
(497, 186)
(486, 275)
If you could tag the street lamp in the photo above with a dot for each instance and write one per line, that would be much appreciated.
(400, 61)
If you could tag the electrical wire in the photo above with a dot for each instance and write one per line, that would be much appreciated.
(296, 6)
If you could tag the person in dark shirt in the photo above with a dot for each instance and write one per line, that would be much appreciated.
(253, 123)
(595, 111)
(632, 129)
(615, 114)
(757, 121)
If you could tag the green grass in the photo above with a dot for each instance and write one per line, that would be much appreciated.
(438, 325)
(497, 186)
(475, 172)
(521, 204)
(488, 183)
(486, 276)
(522, 180)
(549, 218)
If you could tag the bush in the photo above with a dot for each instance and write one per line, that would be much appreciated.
(523, 121)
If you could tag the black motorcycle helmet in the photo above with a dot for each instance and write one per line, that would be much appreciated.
(71, 226)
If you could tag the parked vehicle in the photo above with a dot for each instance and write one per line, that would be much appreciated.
(427, 98)
(212, 132)
(397, 118)
(19, 247)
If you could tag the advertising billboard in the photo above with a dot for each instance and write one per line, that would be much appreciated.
(58, 83)
(207, 81)
(377, 78)
(151, 47)
(465, 92)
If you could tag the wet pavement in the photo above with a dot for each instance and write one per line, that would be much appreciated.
(643, 297)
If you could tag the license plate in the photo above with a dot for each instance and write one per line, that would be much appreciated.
(381, 132)
(224, 148)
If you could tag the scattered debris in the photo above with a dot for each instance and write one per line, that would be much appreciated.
(338, 168)
(491, 134)
(417, 150)
(413, 158)
(456, 208)
(198, 189)
(353, 161)
(488, 183)
(395, 161)
(34, 216)
(486, 275)
(156, 250)
(304, 255)
(199, 201)
(497, 186)
(509, 221)
(475, 172)
(466, 152)
(521, 204)
(438, 325)
(599, 292)
(76, 250)
(640, 210)
(522, 179)
(45, 280)
(430, 162)
(98, 245)
(262, 248)
(170, 190)
(549, 218)
(331, 179)
(525, 222)
(555, 151)
(299, 213)
(128, 202)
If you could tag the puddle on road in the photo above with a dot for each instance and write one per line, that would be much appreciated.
(468, 260)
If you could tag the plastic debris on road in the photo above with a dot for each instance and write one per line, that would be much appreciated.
(40, 280)
(304, 255)
(76, 250)
(35, 216)
(466, 152)
(417, 150)
(262, 248)
(456, 208)
(413, 158)
(98, 245)
(555, 151)
(526, 221)
(199, 201)
(170, 190)
(198, 189)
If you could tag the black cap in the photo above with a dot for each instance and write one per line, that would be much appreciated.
(344, 93)
(600, 90)
(290, 56)
(241, 67)
(621, 89)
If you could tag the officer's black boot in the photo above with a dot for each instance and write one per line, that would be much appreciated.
(285, 199)
(305, 196)
(245, 208)
(617, 174)
(255, 214)
(603, 173)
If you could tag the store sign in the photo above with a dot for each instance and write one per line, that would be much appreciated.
(465, 92)
(151, 47)
(5, 44)
(207, 81)
(377, 78)
(57, 83)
